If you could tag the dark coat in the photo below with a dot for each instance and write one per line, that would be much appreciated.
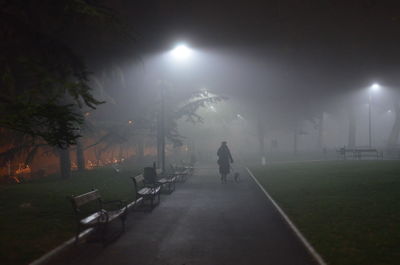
(224, 159)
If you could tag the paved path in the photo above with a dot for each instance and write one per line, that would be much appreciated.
(203, 222)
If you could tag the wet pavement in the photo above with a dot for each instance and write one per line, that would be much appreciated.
(203, 222)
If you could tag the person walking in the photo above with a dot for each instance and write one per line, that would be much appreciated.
(224, 160)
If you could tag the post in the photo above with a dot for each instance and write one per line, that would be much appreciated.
(162, 125)
(369, 119)
(158, 137)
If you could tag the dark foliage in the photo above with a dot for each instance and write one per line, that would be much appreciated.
(43, 80)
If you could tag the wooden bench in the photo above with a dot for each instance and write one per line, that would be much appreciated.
(368, 152)
(181, 172)
(146, 192)
(167, 182)
(189, 167)
(359, 153)
(91, 214)
(344, 152)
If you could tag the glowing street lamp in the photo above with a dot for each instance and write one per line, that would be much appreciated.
(181, 52)
(373, 88)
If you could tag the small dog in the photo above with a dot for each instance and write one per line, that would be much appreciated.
(236, 176)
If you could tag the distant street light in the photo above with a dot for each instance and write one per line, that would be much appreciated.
(373, 88)
(180, 52)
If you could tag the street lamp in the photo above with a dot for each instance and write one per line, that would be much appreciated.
(179, 53)
(374, 88)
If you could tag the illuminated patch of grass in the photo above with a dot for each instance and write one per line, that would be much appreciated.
(36, 216)
(348, 210)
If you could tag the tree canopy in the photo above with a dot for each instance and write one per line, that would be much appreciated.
(43, 79)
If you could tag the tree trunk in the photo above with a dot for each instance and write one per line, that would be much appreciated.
(80, 156)
(394, 134)
(97, 154)
(65, 163)
(352, 128)
(158, 139)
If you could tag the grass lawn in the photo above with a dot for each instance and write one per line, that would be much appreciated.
(36, 216)
(348, 210)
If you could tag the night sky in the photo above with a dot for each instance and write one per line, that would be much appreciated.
(318, 47)
(342, 32)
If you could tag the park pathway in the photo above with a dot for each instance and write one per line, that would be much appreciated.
(203, 222)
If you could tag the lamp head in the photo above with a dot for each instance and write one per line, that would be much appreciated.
(375, 87)
(181, 52)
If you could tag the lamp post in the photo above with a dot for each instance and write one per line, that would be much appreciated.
(374, 88)
(179, 53)
(162, 128)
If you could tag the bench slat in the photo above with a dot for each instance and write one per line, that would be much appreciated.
(149, 191)
(85, 198)
(90, 218)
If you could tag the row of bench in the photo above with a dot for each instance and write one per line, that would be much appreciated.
(359, 153)
(94, 213)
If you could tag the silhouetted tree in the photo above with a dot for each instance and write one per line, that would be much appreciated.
(44, 81)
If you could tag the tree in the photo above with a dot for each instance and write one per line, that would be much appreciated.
(44, 81)
(187, 108)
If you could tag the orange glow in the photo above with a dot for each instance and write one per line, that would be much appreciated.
(23, 169)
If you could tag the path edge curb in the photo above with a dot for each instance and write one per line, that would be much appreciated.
(296, 231)
(54, 252)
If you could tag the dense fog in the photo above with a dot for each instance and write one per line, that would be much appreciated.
(266, 102)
